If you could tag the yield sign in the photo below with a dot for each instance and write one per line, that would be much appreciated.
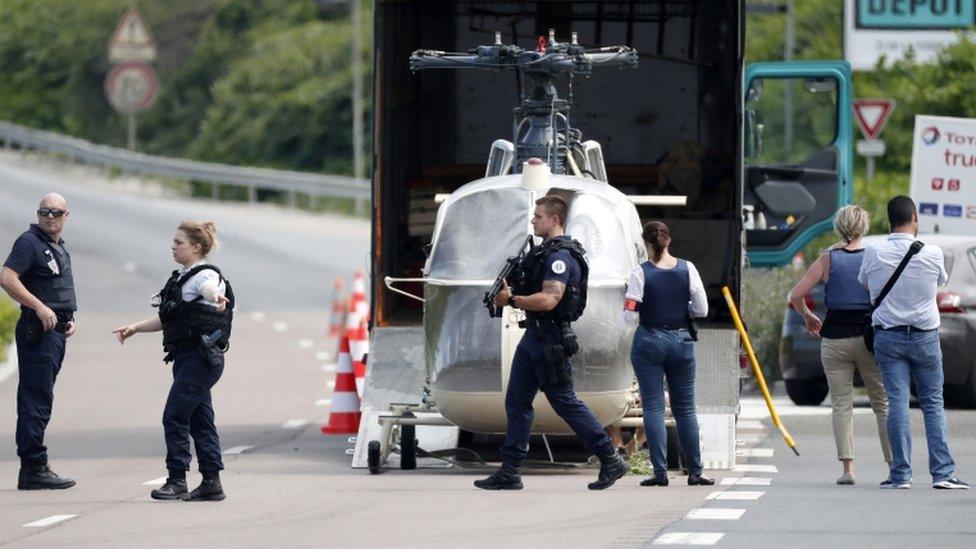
(872, 114)
(131, 40)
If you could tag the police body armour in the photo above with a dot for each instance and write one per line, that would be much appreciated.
(573, 302)
(185, 321)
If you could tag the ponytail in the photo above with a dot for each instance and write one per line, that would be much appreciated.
(657, 236)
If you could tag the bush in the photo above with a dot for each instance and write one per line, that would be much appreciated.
(764, 294)
(9, 312)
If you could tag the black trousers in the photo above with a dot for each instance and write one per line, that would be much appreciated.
(189, 413)
(523, 384)
(38, 364)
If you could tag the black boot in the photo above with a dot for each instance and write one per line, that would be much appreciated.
(41, 477)
(612, 468)
(656, 480)
(175, 487)
(698, 480)
(506, 478)
(209, 489)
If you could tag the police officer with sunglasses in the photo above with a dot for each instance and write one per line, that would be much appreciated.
(37, 274)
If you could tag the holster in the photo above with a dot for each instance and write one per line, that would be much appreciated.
(34, 328)
(559, 344)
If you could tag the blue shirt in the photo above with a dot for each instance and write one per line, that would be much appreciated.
(911, 301)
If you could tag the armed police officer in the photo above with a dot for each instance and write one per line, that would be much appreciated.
(195, 314)
(552, 292)
(37, 274)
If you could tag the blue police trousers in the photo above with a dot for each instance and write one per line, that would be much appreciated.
(38, 365)
(189, 413)
(523, 384)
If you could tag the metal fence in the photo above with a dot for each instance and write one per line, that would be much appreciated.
(289, 182)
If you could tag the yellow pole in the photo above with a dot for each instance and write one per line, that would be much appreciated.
(756, 371)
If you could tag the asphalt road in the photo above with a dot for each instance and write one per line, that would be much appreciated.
(288, 485)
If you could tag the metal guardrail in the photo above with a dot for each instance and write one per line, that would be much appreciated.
(315, 185)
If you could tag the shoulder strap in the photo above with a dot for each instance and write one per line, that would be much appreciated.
(196, 270)
(912, 250)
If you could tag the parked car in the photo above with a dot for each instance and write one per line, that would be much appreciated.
(799, 352)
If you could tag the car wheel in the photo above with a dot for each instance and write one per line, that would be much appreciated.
(807, 392)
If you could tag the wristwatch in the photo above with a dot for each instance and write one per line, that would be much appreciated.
(511, 301)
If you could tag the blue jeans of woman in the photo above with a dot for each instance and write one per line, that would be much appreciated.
(658, 354)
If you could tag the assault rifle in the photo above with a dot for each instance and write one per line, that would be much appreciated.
(511, 264)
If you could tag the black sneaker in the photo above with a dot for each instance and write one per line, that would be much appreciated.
(209, 490)
(612, 468)
(698, 480)
(41, 477)
(951, 483)
(502, 479)
(888, 484)
(661, 480)
(175, 488)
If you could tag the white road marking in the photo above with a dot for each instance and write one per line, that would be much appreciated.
(323, 402)
(715, 513)
(743, 495)
(755, 452)
(294, 424)
(750, 425)
(155, 482)
(323, 355)
(689, 538)
(280, 326)
(755, 408)
(236, 450)
(746, 481)
(755, 468)
(329, 368)
(48, 521)
(258, 317)
(750, 439)
(306, 343)
(129, 267)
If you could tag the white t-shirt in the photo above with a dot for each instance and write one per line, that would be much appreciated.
(193, 288)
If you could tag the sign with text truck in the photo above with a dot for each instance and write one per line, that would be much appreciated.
(943, 183)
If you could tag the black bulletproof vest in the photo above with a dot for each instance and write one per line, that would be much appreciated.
(573, 302)
(54, 289)
(185, 321)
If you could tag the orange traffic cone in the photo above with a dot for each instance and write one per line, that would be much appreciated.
(336, 319)
(344, 415)
(357, 300)
(359, 348)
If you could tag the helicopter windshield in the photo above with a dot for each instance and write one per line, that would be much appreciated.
(478, 231)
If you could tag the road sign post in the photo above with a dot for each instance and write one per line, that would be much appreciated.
(871, 116)
(131, 86)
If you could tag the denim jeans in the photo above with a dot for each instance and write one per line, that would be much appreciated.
(916, 356)
(523, 385)
(656, 355)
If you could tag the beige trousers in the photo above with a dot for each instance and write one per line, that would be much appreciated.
(840, 357)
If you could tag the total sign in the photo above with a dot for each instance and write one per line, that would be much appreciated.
(943, 183)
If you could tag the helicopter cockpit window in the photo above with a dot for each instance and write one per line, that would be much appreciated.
(595, 223)
(478, 232)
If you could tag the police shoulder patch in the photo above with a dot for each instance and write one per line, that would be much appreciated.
(559, 266)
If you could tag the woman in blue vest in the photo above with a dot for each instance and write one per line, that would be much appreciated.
(842, 347)
(664, 294)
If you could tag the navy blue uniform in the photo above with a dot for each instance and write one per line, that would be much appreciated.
(189, 413)
(528, 376)
(44, 267)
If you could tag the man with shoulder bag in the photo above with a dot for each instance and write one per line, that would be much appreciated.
(902, 276)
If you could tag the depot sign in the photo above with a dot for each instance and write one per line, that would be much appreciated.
(943, 182)
(876, 28)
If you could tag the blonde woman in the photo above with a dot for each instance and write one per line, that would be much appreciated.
(195, 313)
(842, 348)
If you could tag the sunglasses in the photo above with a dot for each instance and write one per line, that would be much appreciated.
(45, 212)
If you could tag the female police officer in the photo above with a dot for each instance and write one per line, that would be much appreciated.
(664, 294)
(195, 310)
